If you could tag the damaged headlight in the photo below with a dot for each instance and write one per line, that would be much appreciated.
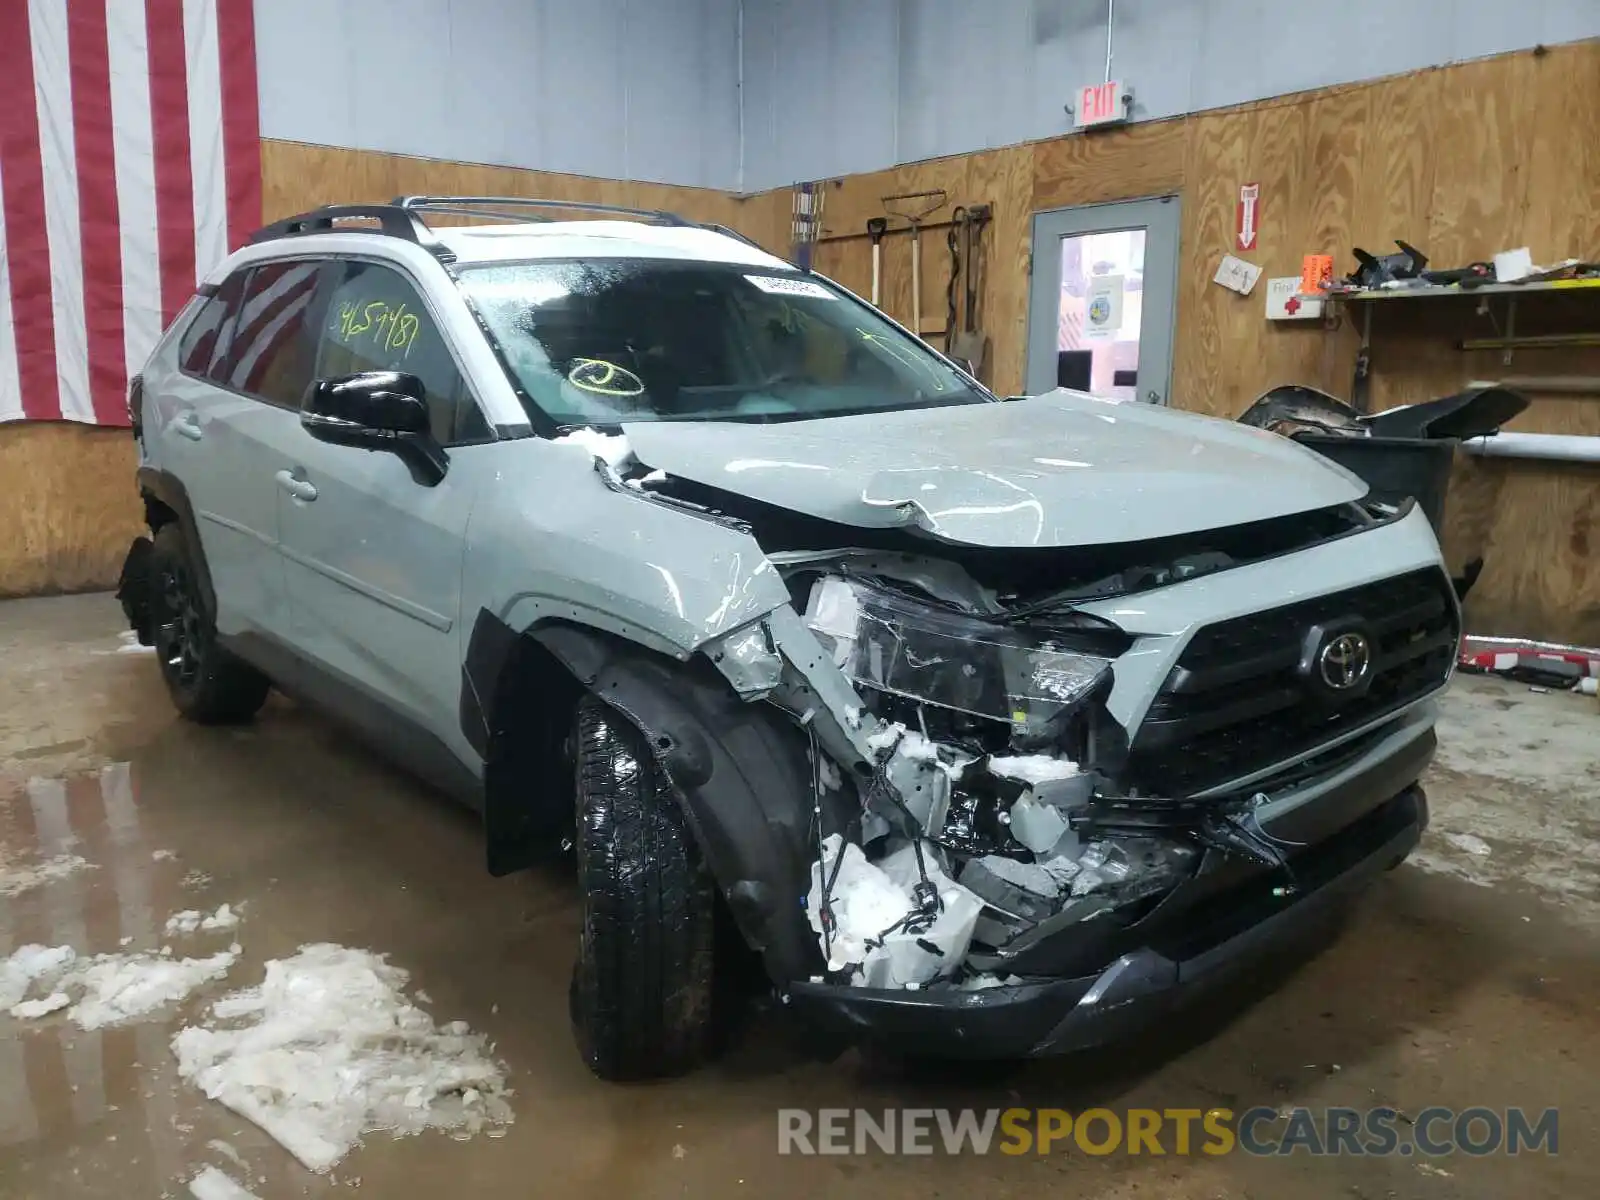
(884, 640)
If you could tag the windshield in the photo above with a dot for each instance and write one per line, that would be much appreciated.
(613, 340)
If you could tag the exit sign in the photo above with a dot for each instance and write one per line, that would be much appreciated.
(1100, 104)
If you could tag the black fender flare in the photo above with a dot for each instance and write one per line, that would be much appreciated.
(742, 772)
(168, 490)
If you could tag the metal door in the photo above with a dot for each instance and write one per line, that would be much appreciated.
(1103, 297)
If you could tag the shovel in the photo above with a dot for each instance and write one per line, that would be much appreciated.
(969, 344)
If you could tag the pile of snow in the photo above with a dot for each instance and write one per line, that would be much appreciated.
(120, 987)
(16, 880)
(327, 1048)
(212, 1184)
(869, 900)
(191, 920)
(110, 988)
(24, 966)
(610, 448)
(1033, 768)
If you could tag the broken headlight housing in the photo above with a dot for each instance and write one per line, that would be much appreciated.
(1031, 679)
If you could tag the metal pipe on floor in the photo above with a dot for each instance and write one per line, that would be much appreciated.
(1554, 447)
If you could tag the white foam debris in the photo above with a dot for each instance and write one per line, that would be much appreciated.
(1469, 843)
(191, 920)
(23, 966)
(913, 746)
(121, 987)
(212, 1184)
(868, 903)
(30, 1010)
(16, 880)
(656, 476)
(327, 1048)
(194, 879)
(162, 855)
(610, 448)
(1033, 768)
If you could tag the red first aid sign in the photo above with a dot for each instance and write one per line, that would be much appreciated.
(1247, 218)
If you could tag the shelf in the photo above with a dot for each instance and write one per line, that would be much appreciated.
(1456, 290)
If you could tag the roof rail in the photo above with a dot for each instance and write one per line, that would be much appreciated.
(393, 221)
(404, 217)
(453, 205)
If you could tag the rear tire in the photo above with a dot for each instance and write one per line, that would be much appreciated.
(207, 684)
(642, 987)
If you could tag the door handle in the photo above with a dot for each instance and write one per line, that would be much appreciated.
(300, 489)
(188, 425)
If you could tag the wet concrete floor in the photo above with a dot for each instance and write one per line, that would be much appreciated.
(1469, 980)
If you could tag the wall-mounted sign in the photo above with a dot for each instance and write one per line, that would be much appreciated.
(1100, 104)
(1247, 217)
(1104, 309)
(1284, 302)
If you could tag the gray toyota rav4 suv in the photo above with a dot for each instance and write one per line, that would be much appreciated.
(992, 728)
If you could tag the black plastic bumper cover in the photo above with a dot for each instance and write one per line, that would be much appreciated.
(1057, 1016)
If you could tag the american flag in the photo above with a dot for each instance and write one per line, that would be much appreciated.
(130, 165)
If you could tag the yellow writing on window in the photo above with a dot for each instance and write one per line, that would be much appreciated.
(385, 325)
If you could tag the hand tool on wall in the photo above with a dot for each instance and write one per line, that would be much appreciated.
(969, 344)
(959, 239)
(876, 228)
(914, 207)
(806, 224)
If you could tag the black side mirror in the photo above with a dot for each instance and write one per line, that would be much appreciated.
(377, 410)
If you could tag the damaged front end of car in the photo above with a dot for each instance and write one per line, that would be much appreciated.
(966, 774)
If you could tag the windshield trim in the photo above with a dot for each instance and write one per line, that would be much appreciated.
(549, 425)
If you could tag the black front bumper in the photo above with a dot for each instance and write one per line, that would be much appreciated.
(1211, 938)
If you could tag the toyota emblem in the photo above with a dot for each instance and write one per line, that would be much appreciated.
(1344, 661)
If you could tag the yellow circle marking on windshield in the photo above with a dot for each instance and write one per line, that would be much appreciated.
(603, 378)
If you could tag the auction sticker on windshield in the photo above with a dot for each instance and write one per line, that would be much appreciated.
(782, 285)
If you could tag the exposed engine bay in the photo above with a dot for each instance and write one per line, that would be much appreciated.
(977, 806)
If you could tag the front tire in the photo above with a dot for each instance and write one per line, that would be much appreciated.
(207, 684)
(642, 987)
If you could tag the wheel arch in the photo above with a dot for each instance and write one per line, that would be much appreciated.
(166, 501)
(740, 770)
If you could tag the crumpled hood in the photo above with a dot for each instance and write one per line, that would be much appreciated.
(1062, 469)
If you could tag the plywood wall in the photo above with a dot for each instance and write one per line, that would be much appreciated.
(1461, 161)
(68, 509)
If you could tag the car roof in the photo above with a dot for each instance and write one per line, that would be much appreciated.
(599, 239)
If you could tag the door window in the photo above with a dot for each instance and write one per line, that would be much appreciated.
(1101, 304)
(1097, 327)
(204, 343)
(273, 346)
(376, 321)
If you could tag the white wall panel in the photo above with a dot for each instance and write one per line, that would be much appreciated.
(912, 79)
(638, 89)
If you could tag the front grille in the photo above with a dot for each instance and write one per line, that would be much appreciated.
(1236, 702)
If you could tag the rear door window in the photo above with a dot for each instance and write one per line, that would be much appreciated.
(204, 344)
(376, 321)
(273, 348)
